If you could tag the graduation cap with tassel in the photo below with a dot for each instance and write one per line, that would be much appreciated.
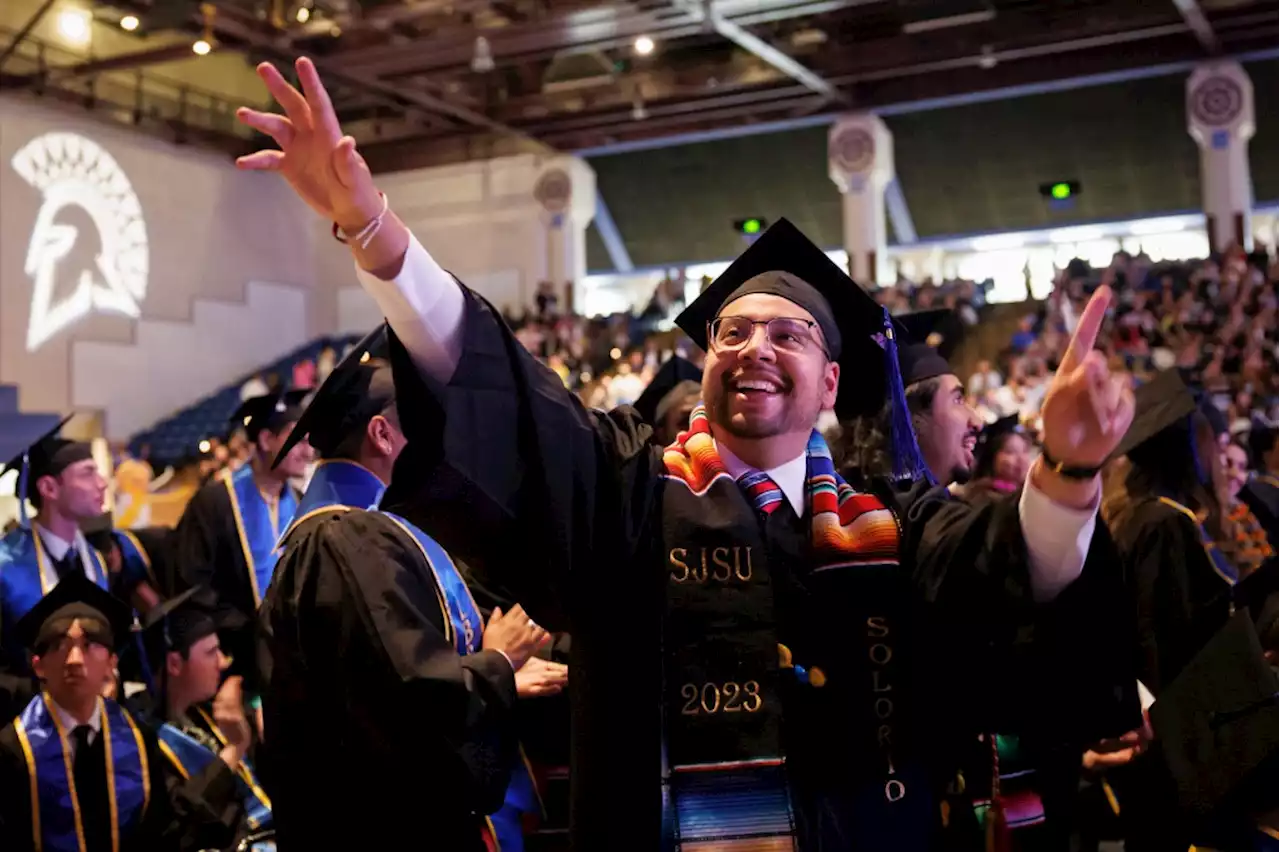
(35, 449)
(859, 333)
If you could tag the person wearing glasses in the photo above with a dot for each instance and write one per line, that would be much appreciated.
(759, 651)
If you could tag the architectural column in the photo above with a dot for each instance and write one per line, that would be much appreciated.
(860, 161)
(565, 190)
(1220, 120)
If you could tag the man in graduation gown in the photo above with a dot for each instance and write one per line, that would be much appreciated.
(388, 703)
(60, 479)
(77, 770)
(226, 538)
(786, 661)
(944, 427)
(199, 717)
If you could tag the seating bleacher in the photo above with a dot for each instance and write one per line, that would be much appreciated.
(177, 438)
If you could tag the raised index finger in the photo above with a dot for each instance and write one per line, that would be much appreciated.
(1086, 333)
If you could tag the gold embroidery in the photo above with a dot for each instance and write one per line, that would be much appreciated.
(712, 698)
(719, 564)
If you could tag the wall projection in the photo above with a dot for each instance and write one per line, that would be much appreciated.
(71, 172)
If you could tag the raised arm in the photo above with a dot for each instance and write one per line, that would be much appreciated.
(504, 466)
(423, 304)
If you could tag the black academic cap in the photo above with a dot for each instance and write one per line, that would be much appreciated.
(670, 376)
(783, 262)
(350, 396)
(1217, 721)
(270, 411)
(930, 342)
(1161, 403)
(180, 622)
(75, 596)
(46, 453)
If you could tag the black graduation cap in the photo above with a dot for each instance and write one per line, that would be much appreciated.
(270, 411)
(350, 396)
(675, 375)
(783, 262)
(38, 450)
(930, 342)
(1217, 721)
(104, 617)
(1162, 403)
(180, 622)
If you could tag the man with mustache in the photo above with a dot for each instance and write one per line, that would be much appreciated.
(945, 427)
(787, 662)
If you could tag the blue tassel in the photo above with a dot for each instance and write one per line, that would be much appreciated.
(22, 489)
(907, 461)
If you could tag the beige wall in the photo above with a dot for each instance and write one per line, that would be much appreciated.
(216, 237)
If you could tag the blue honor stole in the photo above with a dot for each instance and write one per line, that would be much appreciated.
(191, 752)
(55, 806)
(259, 525)
(348, 485)
(1222, 565)
(29, 573)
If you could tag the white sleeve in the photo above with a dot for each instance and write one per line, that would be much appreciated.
(424, 306)
(1057, 540)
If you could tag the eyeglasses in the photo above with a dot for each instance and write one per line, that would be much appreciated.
(786, 334)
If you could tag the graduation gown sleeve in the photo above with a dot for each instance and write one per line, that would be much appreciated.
(1058, 671)
(509, 471)
(200, 537)
(354, 603)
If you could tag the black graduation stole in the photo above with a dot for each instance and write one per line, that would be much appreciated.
(725, 666)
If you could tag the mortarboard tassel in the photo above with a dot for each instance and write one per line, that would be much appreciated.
(907, 462)
(23, 475)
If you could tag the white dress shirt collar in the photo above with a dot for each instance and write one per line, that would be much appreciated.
(70, 723)
(789, 476)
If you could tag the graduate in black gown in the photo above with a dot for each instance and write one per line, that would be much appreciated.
(388, 701)
(785, 660)
(670, 398)
(78, 771)
(226, 538)
(197, 715)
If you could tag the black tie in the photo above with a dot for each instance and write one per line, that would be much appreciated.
(68, 565)
(81, 735)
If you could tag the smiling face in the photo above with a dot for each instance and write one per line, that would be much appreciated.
(1012, 459)
(948, 432)
(756, 387)
(1235, 463)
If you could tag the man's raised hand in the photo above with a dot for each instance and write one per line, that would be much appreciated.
(321, 164)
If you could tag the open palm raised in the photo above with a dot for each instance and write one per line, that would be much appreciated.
(320, 163)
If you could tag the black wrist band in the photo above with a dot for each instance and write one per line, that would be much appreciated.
(1068, 471)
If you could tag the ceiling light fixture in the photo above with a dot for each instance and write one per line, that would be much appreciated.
(644, 45)
(303, 14)
(74, 26)
(200, 47)
(482, 56)
(129, 23)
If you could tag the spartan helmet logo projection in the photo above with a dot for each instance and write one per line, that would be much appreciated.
(72, 172)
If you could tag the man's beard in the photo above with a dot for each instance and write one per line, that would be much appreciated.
(719, 413)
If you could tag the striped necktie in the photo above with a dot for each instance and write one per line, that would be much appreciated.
(762, 493)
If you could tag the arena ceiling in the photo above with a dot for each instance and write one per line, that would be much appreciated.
(425, 82)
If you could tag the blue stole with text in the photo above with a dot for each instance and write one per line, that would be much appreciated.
(259, 525)
(1222, 565)
(28, 573)
(55, 818)
(190, 752)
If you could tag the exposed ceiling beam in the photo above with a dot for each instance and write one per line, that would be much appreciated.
(25, 31)
(602, 28)
(225, 27)
(123, 62)
(1199, 24)
(705, 11)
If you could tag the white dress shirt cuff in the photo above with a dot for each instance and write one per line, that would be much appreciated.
(1057, 540)
(425, 306)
